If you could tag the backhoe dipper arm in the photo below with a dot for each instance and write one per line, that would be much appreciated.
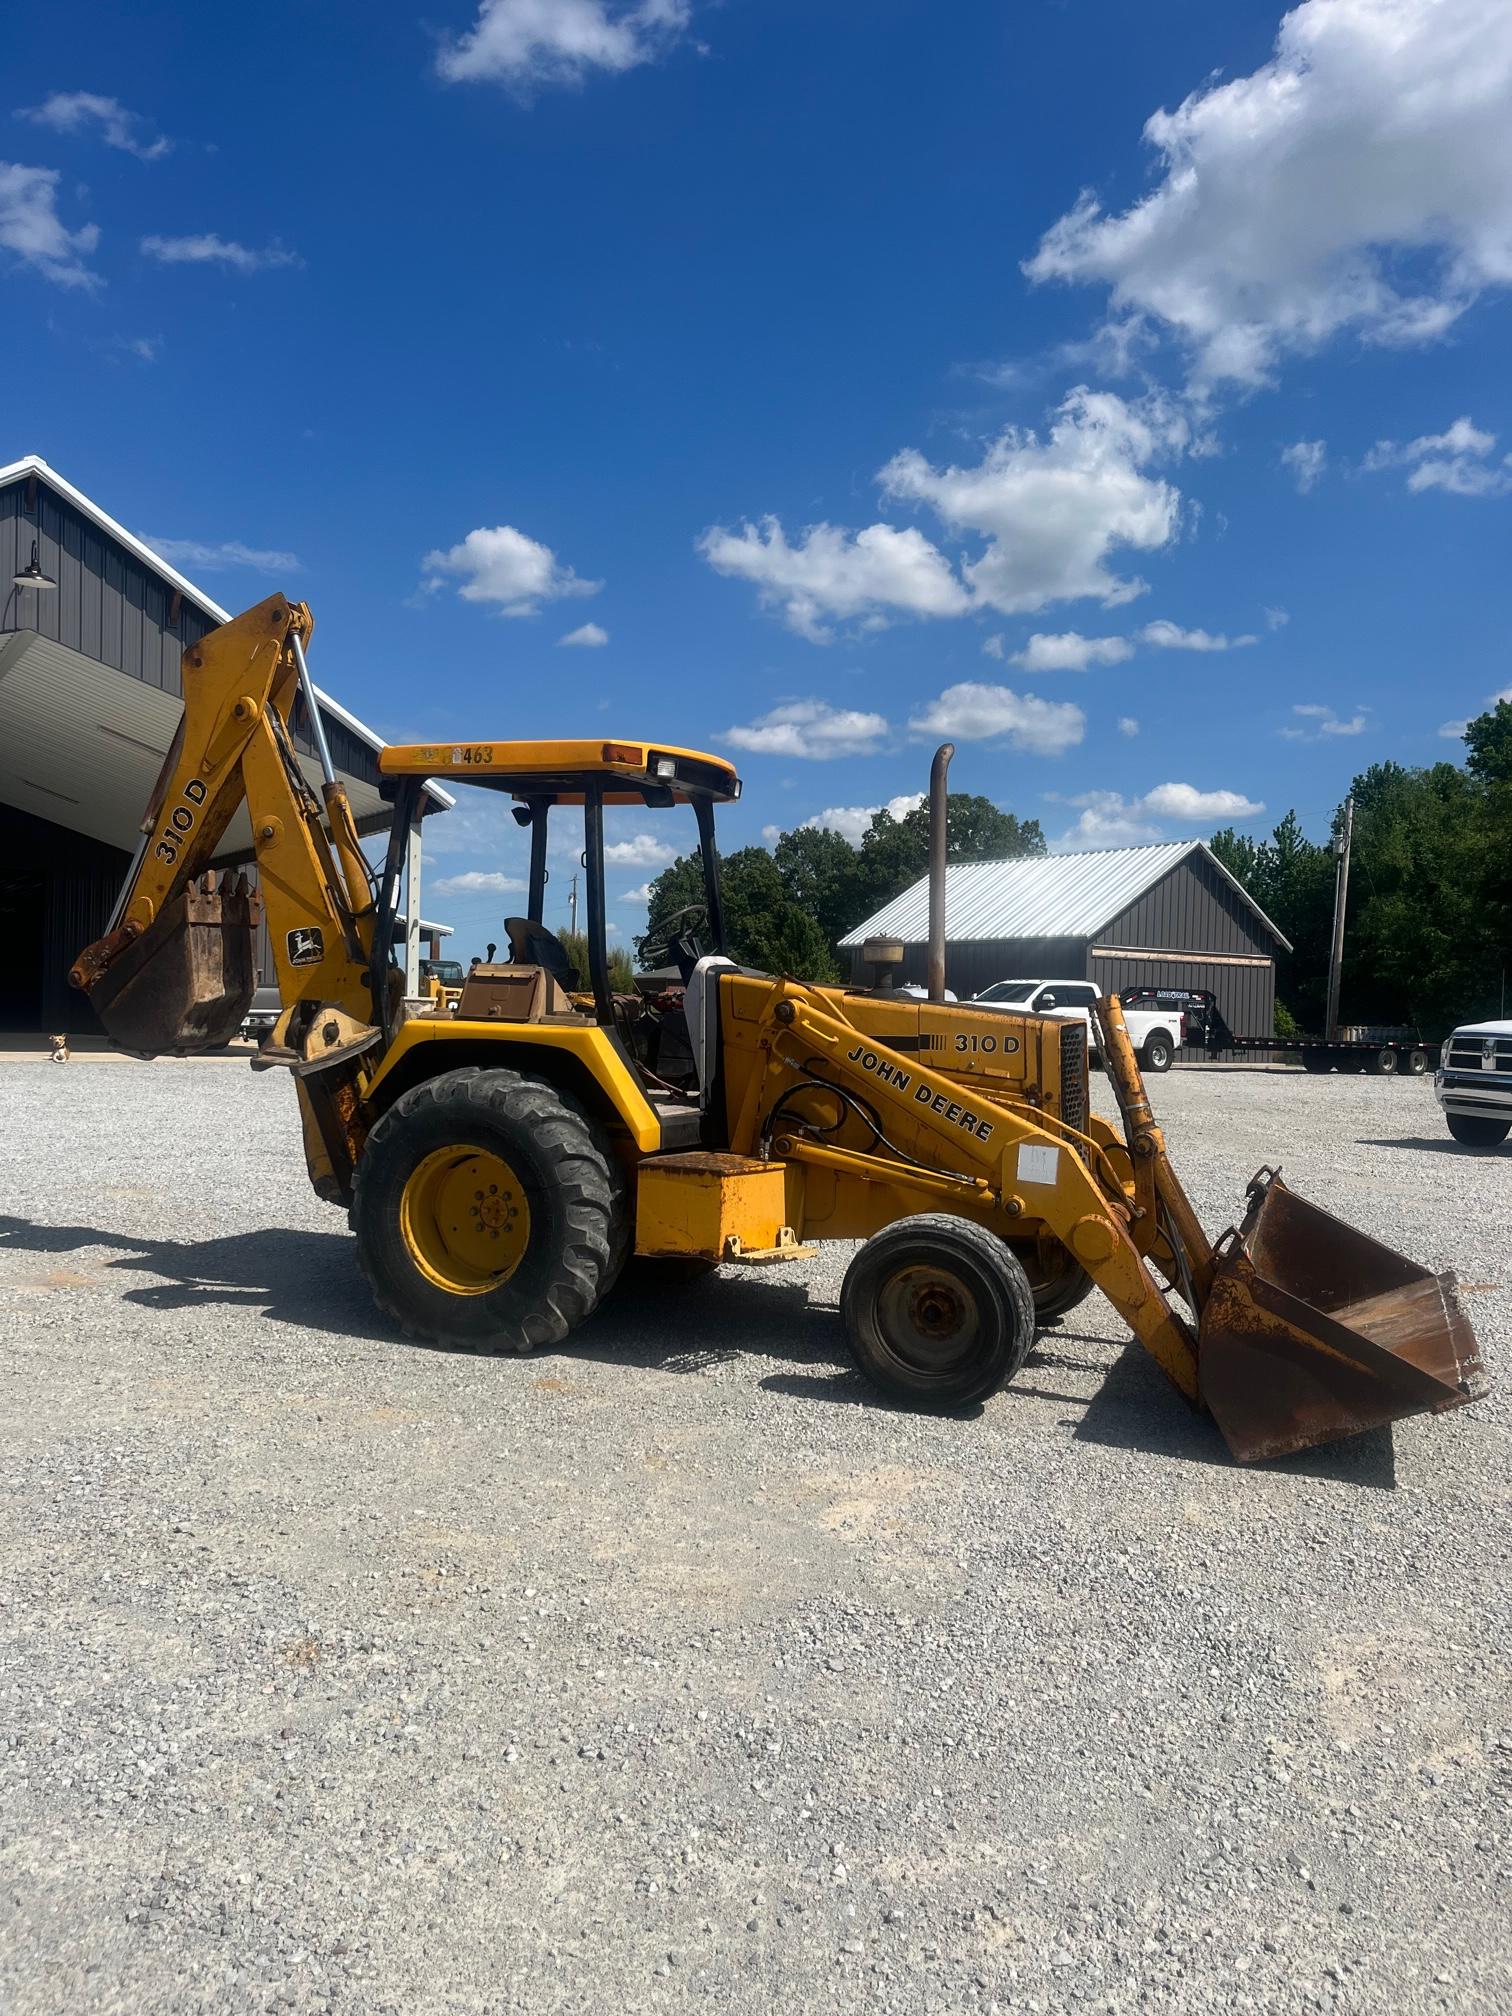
(234, 745)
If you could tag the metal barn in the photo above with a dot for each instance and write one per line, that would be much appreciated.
(1168, 915)
(92, 628)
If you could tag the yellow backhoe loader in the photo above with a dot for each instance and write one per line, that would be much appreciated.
(501, 1163)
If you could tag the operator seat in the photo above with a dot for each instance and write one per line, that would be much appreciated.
(531, 944)
(701, 1006)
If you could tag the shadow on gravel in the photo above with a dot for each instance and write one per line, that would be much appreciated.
(1136, 1407)
(1439, 1145)
(305, 1278)
(309, 1279)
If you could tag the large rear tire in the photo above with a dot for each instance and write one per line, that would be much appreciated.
(1478, 1130)
(489, 1212)
(938, 1311)
(1384, 1064)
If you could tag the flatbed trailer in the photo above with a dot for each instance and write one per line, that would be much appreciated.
(1381, 1053)
(1404, 1057)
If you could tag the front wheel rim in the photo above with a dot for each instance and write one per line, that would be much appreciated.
(928, 1321)
(464, 1219)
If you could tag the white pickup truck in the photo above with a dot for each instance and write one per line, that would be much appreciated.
(1156, 1033)
(1474, 1083)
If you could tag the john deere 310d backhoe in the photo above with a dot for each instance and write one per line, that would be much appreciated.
(501, 1163)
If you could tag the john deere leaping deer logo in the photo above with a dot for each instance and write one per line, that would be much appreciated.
(306, 945)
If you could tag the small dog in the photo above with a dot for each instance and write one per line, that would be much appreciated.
(60, 1051)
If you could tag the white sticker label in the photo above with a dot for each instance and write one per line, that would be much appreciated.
(1037, 1164)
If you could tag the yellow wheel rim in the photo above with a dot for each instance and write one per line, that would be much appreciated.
(464, 1219)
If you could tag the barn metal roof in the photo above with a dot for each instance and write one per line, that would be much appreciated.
(33, 465)
(1049, 896)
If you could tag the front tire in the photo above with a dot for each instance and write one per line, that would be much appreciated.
(1478, 1130)
(1158, 1051)
(938, 1312)
(489, 1212)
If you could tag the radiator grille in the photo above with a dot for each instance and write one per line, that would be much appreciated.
(1480, 1053)
(1073, 1075)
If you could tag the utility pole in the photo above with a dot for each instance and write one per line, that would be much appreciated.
(572, 905)
(1341, 899)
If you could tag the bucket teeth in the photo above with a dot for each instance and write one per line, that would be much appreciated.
(184, 985)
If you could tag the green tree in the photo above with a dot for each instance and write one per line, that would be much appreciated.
(895, 852)
(621, 968)
(785, 911)
(821, 873)
(764, 927)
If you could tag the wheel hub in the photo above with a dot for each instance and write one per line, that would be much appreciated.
(465, 1219)
(928, 1317)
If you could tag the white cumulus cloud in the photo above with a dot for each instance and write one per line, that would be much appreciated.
(1108, 819)
(501, 565)
(589, 635)
(1068, 651)
(1127, 725)
(86, 111)
(811, 728)
(33, 232)
(1320, 721)
(1306, 460)
(1454, 730)
(641, 850)
(477, 882)
(213, 559)
(972, 712)
(1360, 180)
(1171, 637)
(526, 43)
(829, 573)
(206, 248)
(1458, 460)
(851, 821)
(1055, 510)
(639, 895)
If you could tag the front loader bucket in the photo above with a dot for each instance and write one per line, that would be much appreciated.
(184, 985)
(1313, 1332)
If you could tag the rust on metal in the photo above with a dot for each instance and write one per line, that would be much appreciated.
(1313, 1331)
(184, 984)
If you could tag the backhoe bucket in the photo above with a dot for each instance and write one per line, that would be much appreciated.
(184, 985)
(1314, 1332)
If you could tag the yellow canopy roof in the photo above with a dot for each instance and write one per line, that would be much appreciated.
(625, 771)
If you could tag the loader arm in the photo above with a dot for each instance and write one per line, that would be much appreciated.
(174, 971)
(1299, 1329)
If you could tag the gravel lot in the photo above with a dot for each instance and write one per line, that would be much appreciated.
(668, 1670)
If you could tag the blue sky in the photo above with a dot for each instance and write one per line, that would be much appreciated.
(861, 375)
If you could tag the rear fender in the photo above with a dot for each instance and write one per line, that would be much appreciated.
(584, 1062)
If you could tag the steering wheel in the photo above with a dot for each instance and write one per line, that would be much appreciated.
(666, 940)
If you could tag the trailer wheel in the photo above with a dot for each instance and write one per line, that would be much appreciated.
(938, 1311)
(1417, 1063)
(1478, 1130)
(1384, 1064)
(489, 1213)
(1157, 1052)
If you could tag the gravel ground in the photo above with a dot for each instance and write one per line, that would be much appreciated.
(671, 1670)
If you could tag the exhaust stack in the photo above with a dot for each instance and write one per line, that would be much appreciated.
(938, 822)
